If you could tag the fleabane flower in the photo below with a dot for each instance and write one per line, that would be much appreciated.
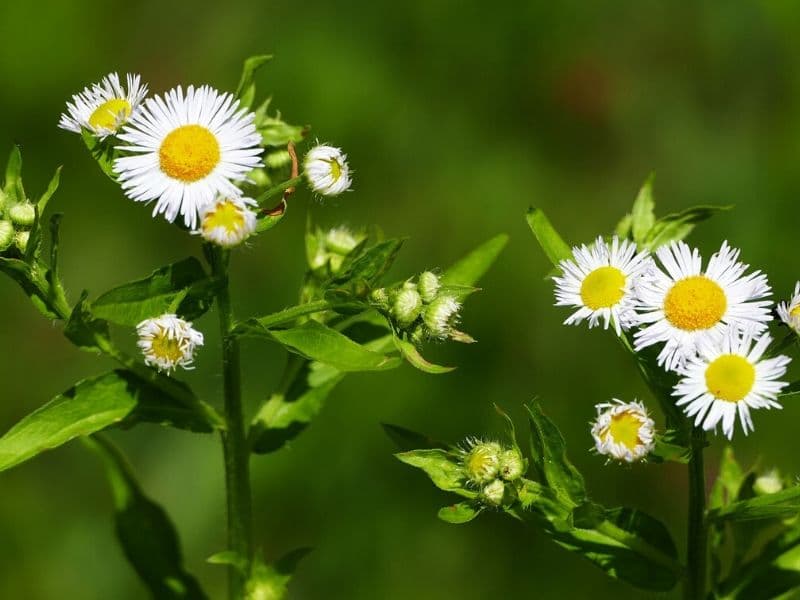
(623, 431)
(326, 170)
(104, 107)
(730, 377)
(684, 305)
(228, 222)
(789, 312)
(599, 281)
(185, 149)
(168, 342)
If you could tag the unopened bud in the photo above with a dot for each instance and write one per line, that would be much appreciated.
(768, 483)
(379, 298)
(277, 159)
(441, 315)
(340, 240)
(6, 235)
(21, 240)
(22, 214)
(493, 493)
(407, 307)
(482, 462)
(512, 465)
(428, 286)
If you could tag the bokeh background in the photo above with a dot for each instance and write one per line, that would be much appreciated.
(457, 117)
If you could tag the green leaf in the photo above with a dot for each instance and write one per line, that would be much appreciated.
(84, 330)
(679, 225)
(444, 470)
(668, 448)
(182, 287)
(372, 264)
(48, 193)
(102, 151)
(246, 90)
(469, 270)
(145, 531)
(643, 213)
(416, 360)
(729, 480)
(549, 454)
(406, 440)
(623, 228)
(460, 513)
(13, 182)
(780, 505)
(555, 248)
(269, 582)
(271, 218)
(33, 281)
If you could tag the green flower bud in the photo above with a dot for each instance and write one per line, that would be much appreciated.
(379, 298)
(494, 492)
(428, 286)
(6, 235)
(512, 465)
(407, 307)
(22, 214)
(341, 241)
(277, 159)
(768, 483)
(21, 240)
(418, 335)
(441, 316)
(482, 462)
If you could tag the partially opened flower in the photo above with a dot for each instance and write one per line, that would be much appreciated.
(789, 312)
(187, 149)
(599, 281)
(684, 305)
(168, 342)
(623, 431)
(730, 378)
(228, 222)
(104, 107)
(327, 170)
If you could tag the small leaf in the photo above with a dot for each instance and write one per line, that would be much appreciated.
(146, 532)
(51, 189)
(444, 470)
(780, 505)
(246, 90)
(460, 513)
(469, 270)
(555, 248)
(623, 228)
(416, 360)
(678, 226)
(269, 582)
(406, 440)
(182, 287)
(13, 182)
(102, 151)
(643, 213)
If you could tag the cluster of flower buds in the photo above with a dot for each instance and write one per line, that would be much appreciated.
(493, 469)
(16, 221)
(424, 309)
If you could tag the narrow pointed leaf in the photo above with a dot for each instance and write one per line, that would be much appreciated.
(444, 470)
(469, 270)
(51, 189)
(780, 505)
(246, 90)
(406, 439)
(643, 213)
(416, 360)
(554, 247)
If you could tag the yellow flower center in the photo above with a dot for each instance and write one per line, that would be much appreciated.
(624, 429)
(166, 348)
(110, 113)
(730, 377)
(695, 303)
(336, 169)
(226, 215)
(189, 153)
(603, 288)
(795, 312)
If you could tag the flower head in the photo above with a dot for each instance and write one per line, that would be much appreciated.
(730, 377)
(168, 342)
(441, 317)
(684, 305)
(187, 149)
(790, 312)
(599, 281)
(623, 431)
(104, 107)
(482, 461)
(228, 222)
(512, 464)
(327, 171)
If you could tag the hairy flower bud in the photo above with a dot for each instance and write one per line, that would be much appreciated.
(493, 493)
(407, 306)
(512, 465)
(379, 298)
(482, 461)
(22, 214)
(21, 240)
(6, 235)
(441, 316)
(341, 240)
(428, 285)
(768, 483)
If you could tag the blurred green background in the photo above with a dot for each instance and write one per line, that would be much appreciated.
(456, 116)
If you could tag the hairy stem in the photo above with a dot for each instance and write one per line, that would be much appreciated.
(697, 542)
(234, 439)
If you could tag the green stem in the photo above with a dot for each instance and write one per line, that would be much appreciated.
(697, 542)
(234, 438)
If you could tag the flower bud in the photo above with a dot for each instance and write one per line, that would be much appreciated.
(768, 483)
(6, 235)
(340, 240)
(22, 214)
(428, 285)
(441, 316)
(327, 171)
(379, 298)
(493, 493)
(418, 335)
(482, 462)
(512, 465)
(21, 240)
(407, 306)
(277, 159)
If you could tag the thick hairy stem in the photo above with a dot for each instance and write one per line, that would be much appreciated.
(697, 541)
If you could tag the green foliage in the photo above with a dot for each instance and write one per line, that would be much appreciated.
(460, 513)
(102, 151)
(270, 581)
(145, 531)
(415, 359)
(246, 90)
(443, 467)
(471, 268)
(554, 247)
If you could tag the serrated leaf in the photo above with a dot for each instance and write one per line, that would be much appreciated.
(460, 513)
(444, 470)
(182, 287)
(146, 532)
(246, 90)
(643, 213)
(372, 264)
(469, 270)
(554, 247)
(415, 359)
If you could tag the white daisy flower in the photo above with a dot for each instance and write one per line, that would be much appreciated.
(228, 222)
(327, 171)
(168, 342)
(599, 281)
(623, 430)
(728, 378)
(790, 312)
(684, 305)
(186, 149)
(104, 107)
